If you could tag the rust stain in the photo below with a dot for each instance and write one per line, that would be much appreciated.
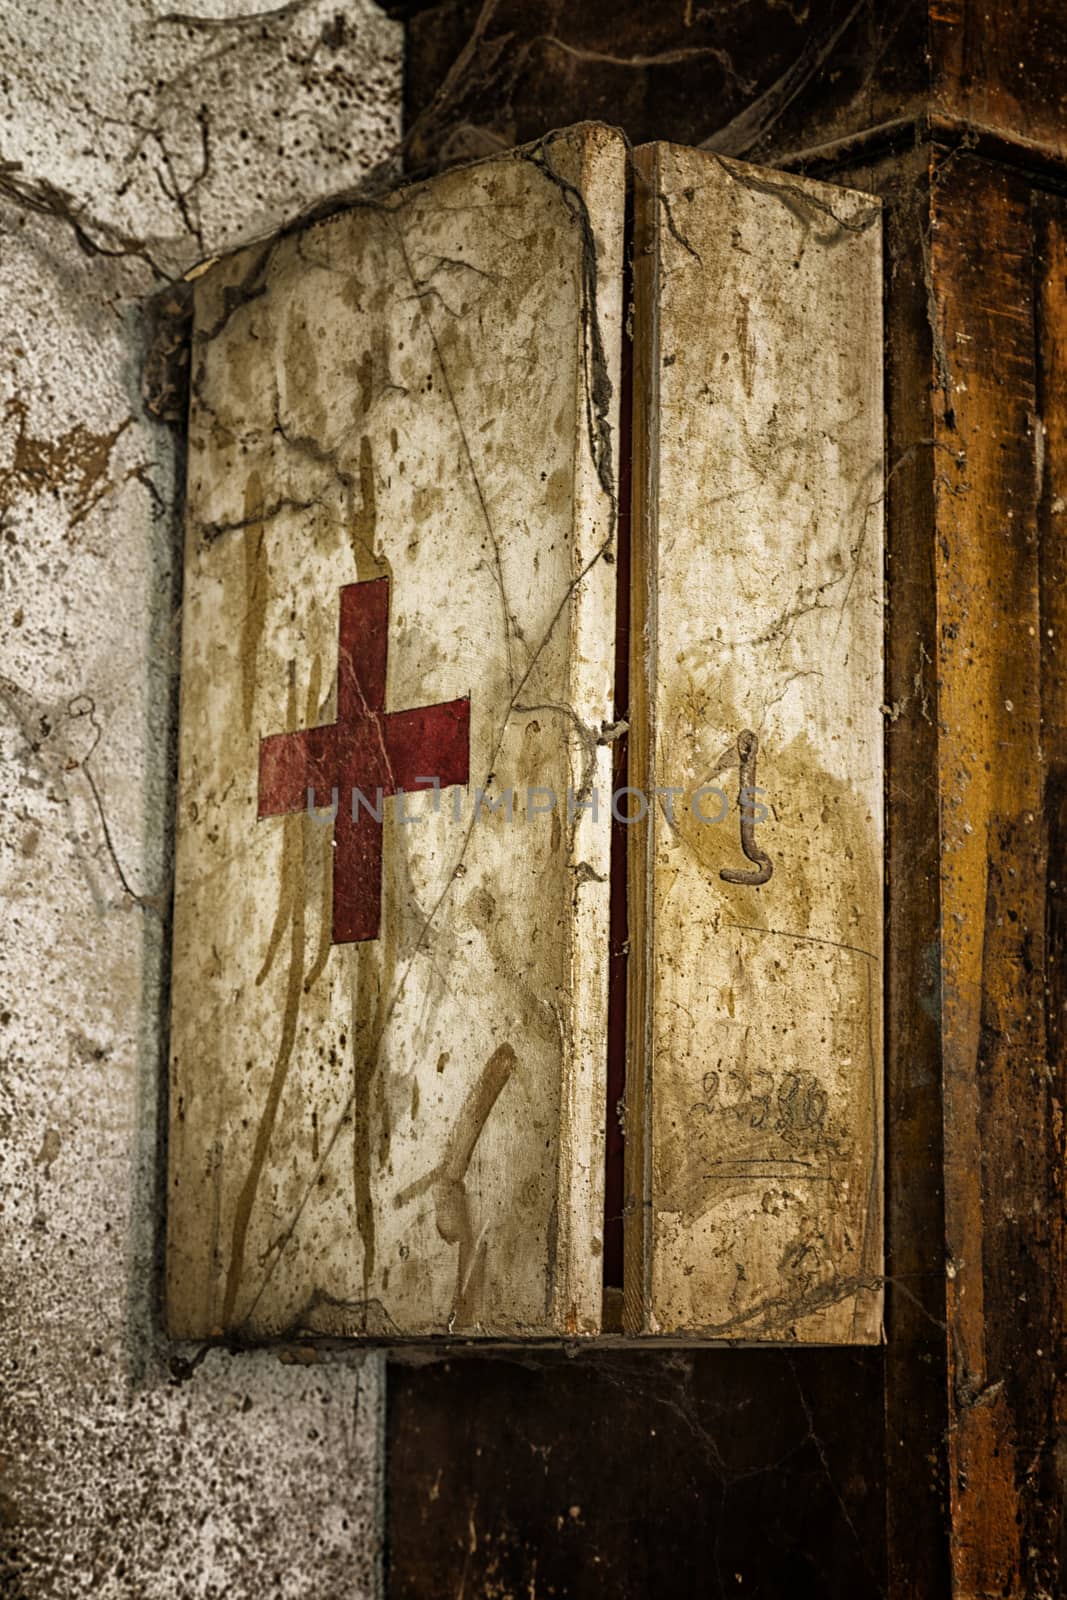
(365, 376)
(291, 913)
(51, 1145)
(746, 343)
(373, 972)
(324, 844)
(365, 520)
(365, 1042)
(288, 884)
(302, 374)
(449, 1184)
(256, 584)
(77, 461)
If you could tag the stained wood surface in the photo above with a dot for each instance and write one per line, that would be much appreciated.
(915, 1352)
(1002, 69)
(401, 1135)
(1001, 317)
(1046, 1376)
(749, 81)
(732, 1472)
(754, 1106)
(998, 68)
(977, 399)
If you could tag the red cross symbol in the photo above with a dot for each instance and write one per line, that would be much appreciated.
(367, 748)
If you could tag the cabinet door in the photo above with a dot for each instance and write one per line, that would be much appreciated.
(388, 1036)
(755, 1070)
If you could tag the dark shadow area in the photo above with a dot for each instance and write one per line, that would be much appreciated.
(755, 79)
(671, 1474)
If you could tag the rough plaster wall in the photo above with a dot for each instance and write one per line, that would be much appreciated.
(132, 143)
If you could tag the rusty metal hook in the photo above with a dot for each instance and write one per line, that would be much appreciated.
(747, 746)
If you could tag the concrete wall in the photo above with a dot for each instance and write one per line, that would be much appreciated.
(134, 142)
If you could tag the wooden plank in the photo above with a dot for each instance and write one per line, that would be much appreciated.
(1047, 1375)
(999, 1096)
(387, 1111)
(1000, 69)
(731, 1471)
(755, 1110)
(752, 80)
(915, 1354)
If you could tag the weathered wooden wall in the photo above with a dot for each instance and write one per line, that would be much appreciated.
(975, 1059)
(759, 79)
(751, 80)
(636, 1475)
(957, 1427)
(999, 320)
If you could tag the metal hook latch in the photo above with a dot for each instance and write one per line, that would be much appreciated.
(747, 746)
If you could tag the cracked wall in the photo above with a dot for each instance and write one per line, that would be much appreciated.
(133, 143)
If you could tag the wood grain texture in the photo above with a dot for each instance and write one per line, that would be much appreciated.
(975, 1129)
(915, 1353)
(1050, 1411)
(1002, 69)
(1002, 1090)
(404, 1135)
(754, 1121)
(729, 1471)
(992, 67)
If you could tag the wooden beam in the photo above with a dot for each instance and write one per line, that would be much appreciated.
(1002, 1093)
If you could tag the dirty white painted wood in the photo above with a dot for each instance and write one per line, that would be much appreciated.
(400, 1133)
(754, 1099)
